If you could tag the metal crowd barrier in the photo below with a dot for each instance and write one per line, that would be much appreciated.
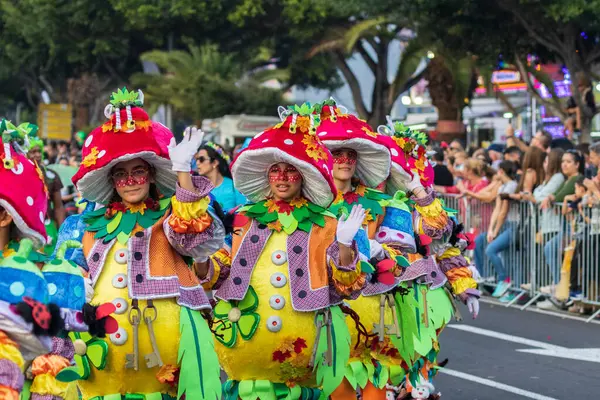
(549, 254)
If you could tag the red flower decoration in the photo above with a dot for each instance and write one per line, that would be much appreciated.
(375, 343)
(299, 345)
(284, 207)
(281, 356)
(351, 197)
(117, 206)
(425, 240)
(385, 273)
(470, 238)
(152, 204)
(392, 352)
(240, 220)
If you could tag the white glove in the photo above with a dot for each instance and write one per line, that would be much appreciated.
(414, 183)
(377, 251)
(473, 305)
(181, 154)
(89, 290)
(348, 226)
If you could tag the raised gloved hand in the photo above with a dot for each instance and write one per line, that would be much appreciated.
(415, 186)
(377, 251)
(89, 290)
(181, 154)
(348, 226)
(473, 305)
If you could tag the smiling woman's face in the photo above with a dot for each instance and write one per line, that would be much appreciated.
(285, 181)
(131, 179)
(344, 164)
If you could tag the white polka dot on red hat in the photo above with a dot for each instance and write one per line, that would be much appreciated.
(322, 133)
(42, 217)
(265, 141)
(394, 152)
(102, 153)
(88, 141)
(288, 141)
(29, 200)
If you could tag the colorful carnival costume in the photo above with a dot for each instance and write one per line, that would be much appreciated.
(135, 255)
(51, 179)
(53, 375)
(438, 273)
(27, 321)
(23, 202)
(280, 282)
(386, 233)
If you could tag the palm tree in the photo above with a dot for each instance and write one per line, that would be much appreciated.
(371, 39)
(451, 84)
(205, 83)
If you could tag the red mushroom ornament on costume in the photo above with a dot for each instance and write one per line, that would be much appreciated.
(338, 130)
(410, 166)
(23, 193)
(282, 143)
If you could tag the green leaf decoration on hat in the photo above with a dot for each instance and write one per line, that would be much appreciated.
(123, 98)
(400, 130)
(306, 109)
(246, 323)
(96, 354)
(10, 133)
(28, 129)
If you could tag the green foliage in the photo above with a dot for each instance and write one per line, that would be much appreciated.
(204, 83)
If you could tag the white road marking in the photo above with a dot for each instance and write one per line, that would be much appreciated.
(495, 385)
(591, 355)
(506, 337)
(541, 348)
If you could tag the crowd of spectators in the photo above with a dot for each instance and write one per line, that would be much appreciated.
(495, 184)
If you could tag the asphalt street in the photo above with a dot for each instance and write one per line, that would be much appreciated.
(561, 357)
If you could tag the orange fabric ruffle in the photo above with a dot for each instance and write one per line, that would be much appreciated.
(457, 273)
(49, 364)
(196, 225)
(4, 339)
(7, 393)
(347, 282)
(461, 279)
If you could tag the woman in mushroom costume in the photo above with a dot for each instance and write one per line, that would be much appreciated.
(151, 213)
(23, 201)
(362, 162)
(23, 195)
(438, 273)
(290, 264)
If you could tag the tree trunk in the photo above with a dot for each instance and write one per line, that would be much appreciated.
(443, 96)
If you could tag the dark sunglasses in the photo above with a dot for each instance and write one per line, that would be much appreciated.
(201, 159)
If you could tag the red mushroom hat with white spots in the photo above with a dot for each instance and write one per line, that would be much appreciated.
(293, 141)
(339, 129)
(23, 193)
(128, 134)
(409, 156)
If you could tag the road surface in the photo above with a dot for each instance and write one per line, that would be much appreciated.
(511, 354)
